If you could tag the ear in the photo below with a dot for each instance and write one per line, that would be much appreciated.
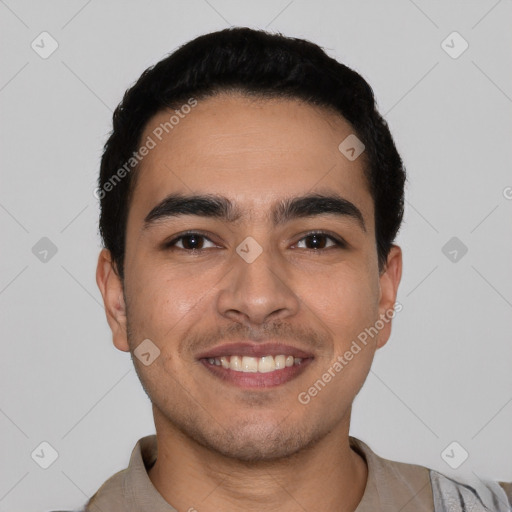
(389, 281)
(111, 288)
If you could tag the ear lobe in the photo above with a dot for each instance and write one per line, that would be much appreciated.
(389, 281)
(111, 288)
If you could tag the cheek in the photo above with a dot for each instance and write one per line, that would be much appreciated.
(346, 301)
(160, 302)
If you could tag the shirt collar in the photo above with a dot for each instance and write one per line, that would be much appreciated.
(390, 485)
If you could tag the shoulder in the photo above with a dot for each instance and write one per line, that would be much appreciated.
(422, 488)
(469, 494)
(109, 494)
(390, 483)
(121, 490)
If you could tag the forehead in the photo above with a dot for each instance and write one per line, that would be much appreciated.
(250, 149)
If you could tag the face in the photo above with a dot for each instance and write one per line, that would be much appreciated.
(255, 293)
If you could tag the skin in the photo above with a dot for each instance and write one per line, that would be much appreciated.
(251, 449)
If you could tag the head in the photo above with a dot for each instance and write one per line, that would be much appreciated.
(231, 212)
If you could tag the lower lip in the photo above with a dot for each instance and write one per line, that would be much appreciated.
(256, 379)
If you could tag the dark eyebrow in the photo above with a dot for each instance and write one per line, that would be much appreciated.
(285, 210)
(316, 204)
(175, 205)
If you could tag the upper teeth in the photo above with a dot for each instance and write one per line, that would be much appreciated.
(250, 364)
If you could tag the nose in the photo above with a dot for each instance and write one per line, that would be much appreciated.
(258, 291)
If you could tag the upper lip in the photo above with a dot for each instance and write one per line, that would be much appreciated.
(259, 349)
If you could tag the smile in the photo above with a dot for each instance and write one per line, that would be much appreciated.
(248, 364)
(256, 372)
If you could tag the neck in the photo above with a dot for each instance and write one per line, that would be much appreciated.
(328, 476)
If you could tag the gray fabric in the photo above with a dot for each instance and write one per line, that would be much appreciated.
(452, 496)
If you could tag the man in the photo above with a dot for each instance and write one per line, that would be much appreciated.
(250, 196)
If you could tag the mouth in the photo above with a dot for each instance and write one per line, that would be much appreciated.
(256, 366)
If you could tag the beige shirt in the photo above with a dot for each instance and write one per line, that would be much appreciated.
(391, 486)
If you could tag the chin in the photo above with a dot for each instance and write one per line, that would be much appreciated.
(253, 443)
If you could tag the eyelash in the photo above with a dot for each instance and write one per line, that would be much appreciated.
(339, 243)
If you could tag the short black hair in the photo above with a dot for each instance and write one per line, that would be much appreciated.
(253, 62)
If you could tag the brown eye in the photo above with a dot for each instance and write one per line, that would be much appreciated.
(189, 242)
(318, 241)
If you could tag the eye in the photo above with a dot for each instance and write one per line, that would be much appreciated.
(191, 241)
(319, 240)
(196, 242)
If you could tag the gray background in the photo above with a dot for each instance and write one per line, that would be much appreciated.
(445, 374)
